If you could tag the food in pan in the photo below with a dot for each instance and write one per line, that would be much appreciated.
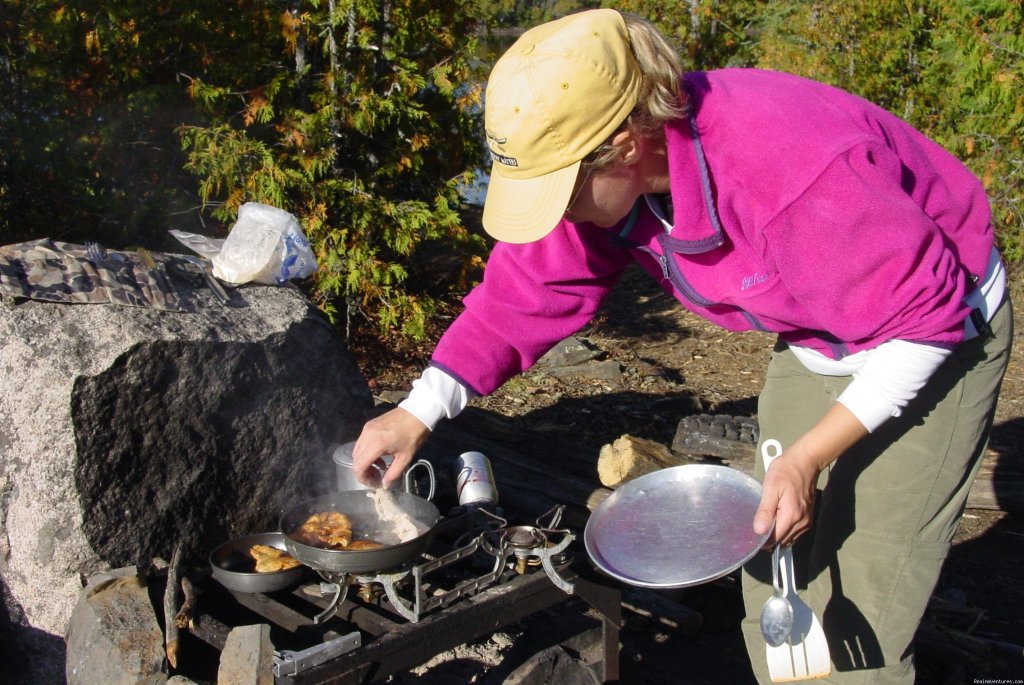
(330, 529)
(271, 559)
(390, 513)
(333, 529)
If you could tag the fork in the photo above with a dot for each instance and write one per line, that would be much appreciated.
(99, 256)
(96, 253)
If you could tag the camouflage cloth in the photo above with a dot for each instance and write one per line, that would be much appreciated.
(61, 272)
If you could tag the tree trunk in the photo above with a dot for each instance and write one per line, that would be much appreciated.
(300, 55)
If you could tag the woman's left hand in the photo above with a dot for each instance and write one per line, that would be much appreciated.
(787, 498)
(791, 482)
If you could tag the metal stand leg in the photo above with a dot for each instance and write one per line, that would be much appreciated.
(607, 600)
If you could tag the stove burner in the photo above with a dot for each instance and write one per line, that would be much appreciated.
(524, 538)
(532, 547)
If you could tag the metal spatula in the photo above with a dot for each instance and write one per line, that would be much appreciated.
(805, 654)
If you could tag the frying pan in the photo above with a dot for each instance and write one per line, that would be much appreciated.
(234, 569)
(359, 507)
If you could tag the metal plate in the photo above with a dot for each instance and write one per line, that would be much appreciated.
(676, 527)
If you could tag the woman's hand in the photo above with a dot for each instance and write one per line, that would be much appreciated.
(790, 484)
(397, 433)
(787, 498)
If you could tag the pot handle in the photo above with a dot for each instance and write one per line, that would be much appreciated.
(410, 485)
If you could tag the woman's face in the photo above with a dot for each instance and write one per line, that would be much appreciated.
(603, 197)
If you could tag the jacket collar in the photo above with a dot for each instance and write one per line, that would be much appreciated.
(697, 228)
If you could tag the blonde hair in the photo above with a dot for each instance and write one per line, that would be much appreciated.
(661, 99)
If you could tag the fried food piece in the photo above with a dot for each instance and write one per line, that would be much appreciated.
(330, 529)
(362, 544)
(271, 559)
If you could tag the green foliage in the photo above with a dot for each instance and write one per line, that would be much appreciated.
(92, 99)
(529, 13)
(710, 34)
(875, 49)
(979, 111)
(363, 126)
(125, 118)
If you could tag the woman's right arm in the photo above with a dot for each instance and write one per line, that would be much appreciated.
(532, 296)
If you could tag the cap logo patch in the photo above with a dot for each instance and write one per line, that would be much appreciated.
(502, 159)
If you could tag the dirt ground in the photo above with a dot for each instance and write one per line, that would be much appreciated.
(675, 364)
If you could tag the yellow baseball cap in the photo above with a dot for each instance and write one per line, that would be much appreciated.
(557, 94)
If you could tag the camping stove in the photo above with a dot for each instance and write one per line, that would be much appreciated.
(480, 574)
(516, 548)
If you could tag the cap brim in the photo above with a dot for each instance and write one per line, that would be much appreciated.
(524, 210)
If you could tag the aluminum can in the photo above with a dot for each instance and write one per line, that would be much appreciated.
(474, 480)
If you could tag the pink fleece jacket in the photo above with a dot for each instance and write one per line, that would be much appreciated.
(798, 209)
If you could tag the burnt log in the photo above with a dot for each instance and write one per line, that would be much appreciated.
(727, 437)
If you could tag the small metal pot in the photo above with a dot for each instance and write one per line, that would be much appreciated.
(347, 480)
(235, 569)
(358, 506)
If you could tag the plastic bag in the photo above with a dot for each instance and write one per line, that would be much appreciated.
(266, 245)
(200, 244)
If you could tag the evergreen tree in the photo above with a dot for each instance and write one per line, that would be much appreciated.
(361, 118)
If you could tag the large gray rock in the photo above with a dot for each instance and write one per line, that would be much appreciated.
(247, 657)
(125, 430)
(114, 637)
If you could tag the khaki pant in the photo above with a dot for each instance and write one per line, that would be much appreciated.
(887, 510)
